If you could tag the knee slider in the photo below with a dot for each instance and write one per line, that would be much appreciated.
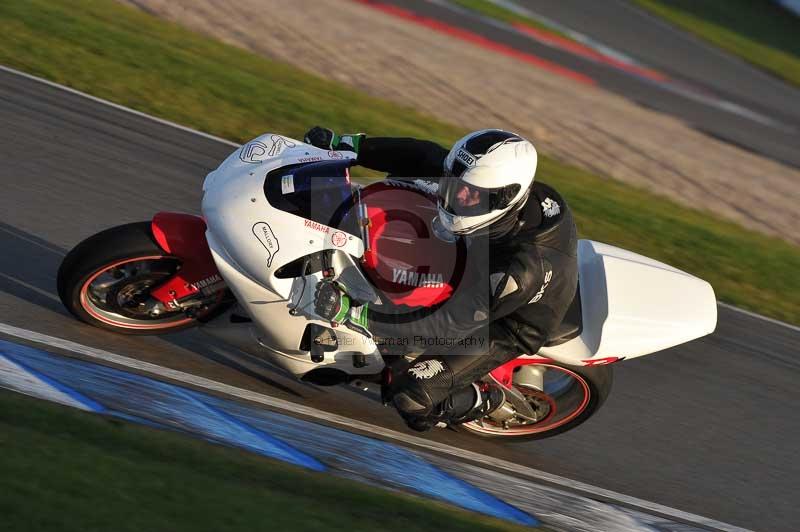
(409, 403)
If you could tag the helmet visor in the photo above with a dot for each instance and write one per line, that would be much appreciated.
(463, 199)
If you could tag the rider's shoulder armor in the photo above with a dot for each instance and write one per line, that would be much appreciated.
(548, 220)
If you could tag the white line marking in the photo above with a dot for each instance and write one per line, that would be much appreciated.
(31, 287)
(117, 106)
(773, 321)
(723, 105)
(14, 232)
(516, 469)
(229, 143)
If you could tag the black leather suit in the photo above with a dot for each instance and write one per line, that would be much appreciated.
(514, 293)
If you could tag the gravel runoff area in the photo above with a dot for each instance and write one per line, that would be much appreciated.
(472, 87)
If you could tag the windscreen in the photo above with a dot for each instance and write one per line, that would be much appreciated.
(320, 192)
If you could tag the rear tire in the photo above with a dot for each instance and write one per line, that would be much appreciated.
(130, 252)
(595, 381)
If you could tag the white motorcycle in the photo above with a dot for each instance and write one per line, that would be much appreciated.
(279, 216)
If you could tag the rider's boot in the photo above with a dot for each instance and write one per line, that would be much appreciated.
(472, 403)
(467, 404)
(439, 387)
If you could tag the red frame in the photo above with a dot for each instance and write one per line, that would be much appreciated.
(505, 374)
(183, 236)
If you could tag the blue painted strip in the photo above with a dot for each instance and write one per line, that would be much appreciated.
(290, 454)
(75, 395)
(318, 447)
(141, 421)
(159, 403)
(378, 461)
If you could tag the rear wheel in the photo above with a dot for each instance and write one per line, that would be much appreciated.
(106, 281)
(556, 398)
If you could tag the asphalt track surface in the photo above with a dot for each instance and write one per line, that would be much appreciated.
(710, 427)
(724, 90)
(623, 26)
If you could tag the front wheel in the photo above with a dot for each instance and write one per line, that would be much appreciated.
(558, 398)
(106, 281)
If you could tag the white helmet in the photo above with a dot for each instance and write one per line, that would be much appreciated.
(487, 178)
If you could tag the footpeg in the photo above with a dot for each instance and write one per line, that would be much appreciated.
(317, 340)
(317, 351)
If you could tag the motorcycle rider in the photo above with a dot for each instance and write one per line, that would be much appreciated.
(519, 280)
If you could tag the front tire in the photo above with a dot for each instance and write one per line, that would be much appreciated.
(569, 397)
(106, 279)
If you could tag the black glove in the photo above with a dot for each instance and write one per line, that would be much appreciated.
(325, 138)
(332, 304)
(320, 137)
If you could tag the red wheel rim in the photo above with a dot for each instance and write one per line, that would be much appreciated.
(125, 323)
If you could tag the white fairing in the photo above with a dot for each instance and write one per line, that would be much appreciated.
(633, 306)
(239, 215)
(250, 240)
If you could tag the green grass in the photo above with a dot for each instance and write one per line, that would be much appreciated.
(157, 67)
(127, 56)
(66, 470)
(758, 31)
(503, 14)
